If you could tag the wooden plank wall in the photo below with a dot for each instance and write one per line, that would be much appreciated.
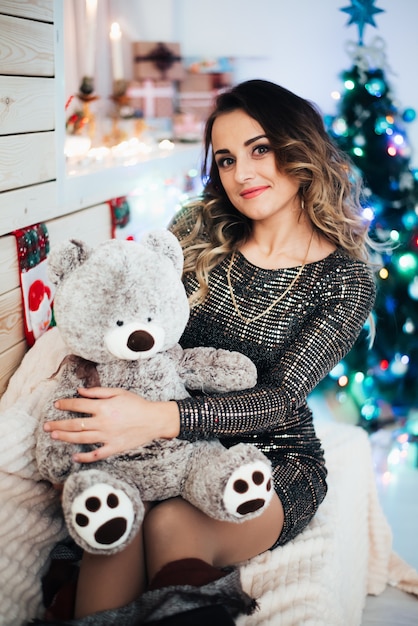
(27, 150)
(31, 9)
(28, 160)
(27, 110)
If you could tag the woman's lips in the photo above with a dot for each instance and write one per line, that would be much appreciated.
(253, 192)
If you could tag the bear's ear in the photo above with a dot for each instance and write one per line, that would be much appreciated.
(65, 257)
(165, 243)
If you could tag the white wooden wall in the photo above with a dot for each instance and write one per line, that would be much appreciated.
(28, 160)
(27, 153)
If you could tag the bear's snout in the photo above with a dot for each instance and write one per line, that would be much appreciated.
(140, 341)
(135, 340)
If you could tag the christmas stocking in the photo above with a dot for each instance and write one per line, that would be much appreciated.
(37, 291)
(120, 216)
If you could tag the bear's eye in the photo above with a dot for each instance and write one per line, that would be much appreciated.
(149, 319)
(119, 323)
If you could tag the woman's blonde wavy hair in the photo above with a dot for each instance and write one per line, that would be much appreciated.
(210, 228)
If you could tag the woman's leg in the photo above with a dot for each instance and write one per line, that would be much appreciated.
(174, 530)
(108, 582)
(187, 554)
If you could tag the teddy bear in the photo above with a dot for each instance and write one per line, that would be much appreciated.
(121, 309)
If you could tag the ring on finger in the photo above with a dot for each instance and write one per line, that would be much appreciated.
(82, 425)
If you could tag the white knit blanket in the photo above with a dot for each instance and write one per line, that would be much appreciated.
(30, 516)
(322, 577)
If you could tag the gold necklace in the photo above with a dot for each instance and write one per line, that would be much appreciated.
(277, 300)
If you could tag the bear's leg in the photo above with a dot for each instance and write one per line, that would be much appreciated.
(229, 484)
(102, 511)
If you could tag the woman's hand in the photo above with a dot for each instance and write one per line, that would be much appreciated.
(120, 421)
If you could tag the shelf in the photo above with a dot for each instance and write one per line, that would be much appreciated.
(92, 183)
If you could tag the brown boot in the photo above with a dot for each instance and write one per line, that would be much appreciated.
(189, 585)
(193, 572)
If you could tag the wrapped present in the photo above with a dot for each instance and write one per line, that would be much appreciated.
(203, 65)
(187, 127)
(152, 98)
(197, 92)
(205, 81)
(197, 103)
(157, 61)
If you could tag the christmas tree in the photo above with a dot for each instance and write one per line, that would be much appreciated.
(371, 129)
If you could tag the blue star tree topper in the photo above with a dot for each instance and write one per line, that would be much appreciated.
(361, 13)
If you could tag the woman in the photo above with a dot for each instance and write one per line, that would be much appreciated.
(275, 267)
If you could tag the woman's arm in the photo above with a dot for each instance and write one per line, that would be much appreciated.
(120, 420)
(326, 337)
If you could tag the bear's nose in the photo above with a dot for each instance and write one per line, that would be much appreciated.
(140, 341)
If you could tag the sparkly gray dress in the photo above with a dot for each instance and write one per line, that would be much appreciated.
(293, 346)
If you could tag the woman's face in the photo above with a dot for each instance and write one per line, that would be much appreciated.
(248, 170)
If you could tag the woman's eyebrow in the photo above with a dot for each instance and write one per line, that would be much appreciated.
(246, 143)
(250, 141)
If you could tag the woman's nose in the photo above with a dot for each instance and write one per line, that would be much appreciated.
(244, 170)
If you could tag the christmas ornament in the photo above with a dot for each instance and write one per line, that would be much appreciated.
(361, 13)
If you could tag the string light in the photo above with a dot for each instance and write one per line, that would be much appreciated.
(409, 326)
(399, 365)
(407, 263)
(338, 370)
(413, 289)
(368, 214)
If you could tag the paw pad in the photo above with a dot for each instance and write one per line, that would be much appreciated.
(249, 489)
(102, 516)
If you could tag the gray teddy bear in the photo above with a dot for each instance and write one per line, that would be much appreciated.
(121, 309)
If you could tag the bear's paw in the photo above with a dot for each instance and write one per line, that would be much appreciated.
(102, 516)
(249, 490)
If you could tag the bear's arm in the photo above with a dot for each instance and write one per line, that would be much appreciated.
(217, 370)
(54, 458)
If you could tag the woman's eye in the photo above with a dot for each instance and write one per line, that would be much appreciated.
(225, 162)
(261, 149)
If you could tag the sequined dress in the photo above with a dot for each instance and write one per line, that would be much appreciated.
(294, 346)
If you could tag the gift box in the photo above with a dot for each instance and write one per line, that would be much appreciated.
(197, 92)
(203, 65)
(157, 61)
(152, 98)
(187, 127)
(208, 81)
(199, 104)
